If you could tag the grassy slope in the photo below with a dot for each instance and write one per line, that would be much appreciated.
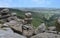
(49, 16)
(36, 20)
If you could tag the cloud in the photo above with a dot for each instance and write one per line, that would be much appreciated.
(5, 3)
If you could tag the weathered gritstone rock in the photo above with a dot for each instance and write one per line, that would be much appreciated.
(19, 36)
(13, 22)
(59, 33)
(8, 33)
(18, 27)
(52, 28)
(1, 25)
(54, 32)
(28, 30)
(46, 35)
(2, 21)
(41, 28)
(12, 18)
(57, 24)
(15, 25)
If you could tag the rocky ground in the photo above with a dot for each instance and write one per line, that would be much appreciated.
(16, 29)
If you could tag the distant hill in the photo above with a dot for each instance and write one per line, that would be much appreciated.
(43, 10)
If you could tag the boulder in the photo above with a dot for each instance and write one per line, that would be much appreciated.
(46, 35)
(13, 22)
(17, 26)
(59, 33)
(1, 25)
(28, 30)
(8, 33)
(52, 28)
(54, 32)
(41, 28)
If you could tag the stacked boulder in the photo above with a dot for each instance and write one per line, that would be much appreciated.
(4, 14)
(23, 26)
(27, 27)
(9, 21)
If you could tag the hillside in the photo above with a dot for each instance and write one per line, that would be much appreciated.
(45, 15)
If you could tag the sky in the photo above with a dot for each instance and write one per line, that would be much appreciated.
(30, 3)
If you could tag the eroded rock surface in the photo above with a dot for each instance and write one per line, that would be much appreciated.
(41, 28)
(46, 35)
(8, 33)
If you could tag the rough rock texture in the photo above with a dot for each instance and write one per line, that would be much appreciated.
(10, 27)
(15, 25)
(8, 33)
(52, 28)
(41, 28)
(46, 35)
(18, 27)
(1, 25)
(28, 30)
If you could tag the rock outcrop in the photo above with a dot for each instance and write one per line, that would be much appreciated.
(14, 27)
(41, 28)
(46, 35)
(8, 33)
(28, 30)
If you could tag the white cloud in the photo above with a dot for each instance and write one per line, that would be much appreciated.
(5, 3)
